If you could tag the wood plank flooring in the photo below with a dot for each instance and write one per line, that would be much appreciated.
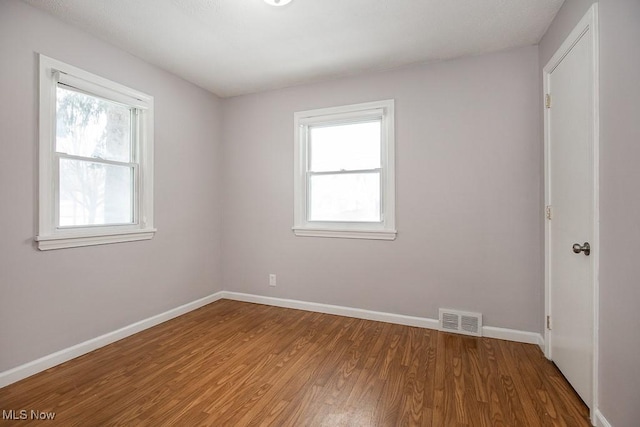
(238, 364)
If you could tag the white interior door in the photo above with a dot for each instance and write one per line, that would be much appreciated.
(571, 194)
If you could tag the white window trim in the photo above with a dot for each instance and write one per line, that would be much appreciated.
(384, 230)
(49, 235)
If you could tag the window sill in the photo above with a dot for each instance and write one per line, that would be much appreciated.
(74, 240)
(346, 234)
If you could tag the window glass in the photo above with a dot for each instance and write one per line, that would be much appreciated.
(94, 193)
(89, 126)
(353, 146)
(345, 197)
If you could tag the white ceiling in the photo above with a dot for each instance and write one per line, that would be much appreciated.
(233, 47)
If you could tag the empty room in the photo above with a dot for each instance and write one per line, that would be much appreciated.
(320, 213)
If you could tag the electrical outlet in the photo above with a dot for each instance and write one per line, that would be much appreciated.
(272, 280)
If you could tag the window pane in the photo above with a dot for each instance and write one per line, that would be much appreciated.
(94, 193)
(92, 127)
(345, 197)
(352, 146)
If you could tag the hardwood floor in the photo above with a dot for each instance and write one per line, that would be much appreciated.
(236, 364)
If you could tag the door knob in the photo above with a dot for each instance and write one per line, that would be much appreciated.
(586, 248)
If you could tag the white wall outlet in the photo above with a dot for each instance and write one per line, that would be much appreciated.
(272, 280)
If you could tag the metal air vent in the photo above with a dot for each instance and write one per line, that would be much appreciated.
(461, 322)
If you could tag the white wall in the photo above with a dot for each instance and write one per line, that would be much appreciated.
(619, 370)
(620, 211)
(52, 300)
(468, 195)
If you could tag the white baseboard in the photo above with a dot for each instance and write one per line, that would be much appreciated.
(421, 322)
(23, 371)
(357, 313)
(513, 335)
(46, 362)
(601, 421)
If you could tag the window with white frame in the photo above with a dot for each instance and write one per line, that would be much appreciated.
(96, 159)
(344, 182)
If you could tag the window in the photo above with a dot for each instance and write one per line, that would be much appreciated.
(344, 172)
(96, 160)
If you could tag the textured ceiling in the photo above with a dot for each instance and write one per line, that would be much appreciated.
(233, 47)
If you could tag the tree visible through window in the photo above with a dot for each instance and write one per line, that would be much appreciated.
(96, 159)
(93, 192)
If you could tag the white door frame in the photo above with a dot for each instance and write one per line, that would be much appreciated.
(589, 23)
